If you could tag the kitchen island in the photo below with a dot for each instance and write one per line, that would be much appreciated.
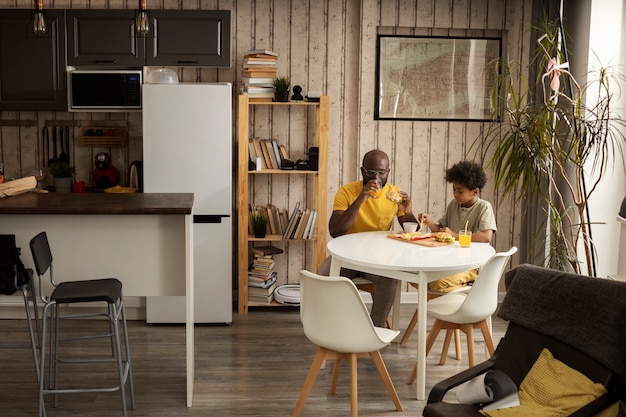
(143, 239)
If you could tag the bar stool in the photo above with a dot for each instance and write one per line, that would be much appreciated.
(107, 290)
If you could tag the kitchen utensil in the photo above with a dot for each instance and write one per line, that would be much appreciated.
(46, 136)
(55, 158)
(63, 157)
(67, 142)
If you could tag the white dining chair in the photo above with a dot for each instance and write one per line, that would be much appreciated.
(469, 310)
(335, 319)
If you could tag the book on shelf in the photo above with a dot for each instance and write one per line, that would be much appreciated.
(291, 220)
(256, 279)
(274, 143)
(266, 250)
(313, 221)
(272, 219)
(261, 52)
(262, 290)
(254, 66)
(292, 232)
(259, 81)
(283, 152)
(259, 73)
(266, 154)
(261, 299)
(306, 234)
(259, 152)
(299, 232)
(263, 285)
(266, 144)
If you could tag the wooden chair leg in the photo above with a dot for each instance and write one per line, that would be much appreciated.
(354, 395)
(384, 374)
(310, 380)
(409, 328)
(457, 343)
(468, 329)
(484, 328)
(446, 346)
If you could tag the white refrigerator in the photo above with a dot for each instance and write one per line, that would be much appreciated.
(187, 147)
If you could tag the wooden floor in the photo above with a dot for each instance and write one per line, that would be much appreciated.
(254, 367)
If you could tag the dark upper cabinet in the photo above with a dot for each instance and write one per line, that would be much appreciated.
(189, 37)
(32, 69)
(103, 38)
(106, 38)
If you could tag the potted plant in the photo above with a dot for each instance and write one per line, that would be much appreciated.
(62, 172)
(259, 221)
(281, 89)
(548, 141)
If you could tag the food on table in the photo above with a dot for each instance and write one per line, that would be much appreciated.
(444, 237)
(394, 196)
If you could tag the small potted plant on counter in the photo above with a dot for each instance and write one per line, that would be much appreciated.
(62, 172)
(259, 221)
(281, 89)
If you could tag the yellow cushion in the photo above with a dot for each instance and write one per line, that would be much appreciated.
(553, 389)
(453, 282)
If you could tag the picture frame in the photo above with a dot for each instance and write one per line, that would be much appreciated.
(435, 78)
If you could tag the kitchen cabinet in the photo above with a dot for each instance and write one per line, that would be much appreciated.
(189, 37)
(103, 38)
(317, 195)
(32, 69)
(107, 38)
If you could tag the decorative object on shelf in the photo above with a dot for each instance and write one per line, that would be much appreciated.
(259, 221)
(63, 172)
(281, 89)
(40, 28)
(297, 96)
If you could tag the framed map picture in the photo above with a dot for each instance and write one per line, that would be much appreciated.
(435, 78)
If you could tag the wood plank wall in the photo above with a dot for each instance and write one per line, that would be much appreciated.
(327, 45)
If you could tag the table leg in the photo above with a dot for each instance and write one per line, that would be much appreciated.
(421, 336)
(395, 314)
(189, 318)
(335, 267)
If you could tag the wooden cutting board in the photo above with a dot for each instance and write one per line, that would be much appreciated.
(430, 242)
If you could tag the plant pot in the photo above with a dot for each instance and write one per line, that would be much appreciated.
(63, 185)
(259, 231)
(281, 96)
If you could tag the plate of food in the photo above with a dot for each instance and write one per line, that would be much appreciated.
(424, 239)
(120, 189)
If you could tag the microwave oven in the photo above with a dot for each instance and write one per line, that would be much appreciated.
(104, 90)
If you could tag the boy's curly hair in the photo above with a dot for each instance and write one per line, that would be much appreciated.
(468, 174)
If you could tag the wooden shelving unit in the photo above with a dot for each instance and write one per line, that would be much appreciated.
(244, 175)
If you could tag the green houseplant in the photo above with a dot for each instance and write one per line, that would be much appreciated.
(259, 222)
(281, 88)
(62, 172)
(552, 147)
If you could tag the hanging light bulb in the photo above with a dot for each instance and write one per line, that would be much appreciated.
(141, 23)
(39, 24)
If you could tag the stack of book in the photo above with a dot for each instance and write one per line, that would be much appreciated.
(259, 71)
(261, 276)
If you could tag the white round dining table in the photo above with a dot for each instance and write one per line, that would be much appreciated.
(377, 253)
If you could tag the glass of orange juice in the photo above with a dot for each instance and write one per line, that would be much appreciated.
(465, 238)
(379, 192)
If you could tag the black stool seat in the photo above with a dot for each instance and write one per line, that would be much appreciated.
(105, 289)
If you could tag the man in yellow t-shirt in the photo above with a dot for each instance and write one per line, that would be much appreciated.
(361, 206)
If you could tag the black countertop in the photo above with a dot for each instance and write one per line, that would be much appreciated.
(97, 203)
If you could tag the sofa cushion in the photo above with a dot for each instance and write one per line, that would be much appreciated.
(552, 389)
